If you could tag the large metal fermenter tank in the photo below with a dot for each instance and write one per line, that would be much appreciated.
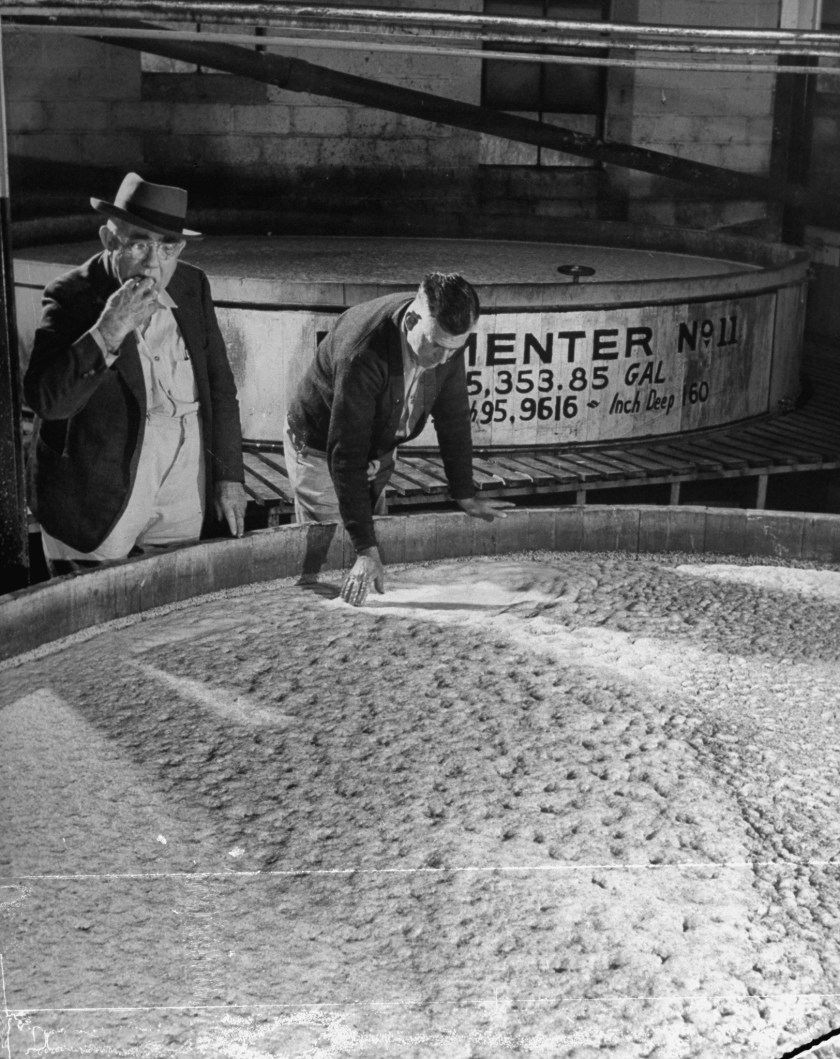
(601, 332)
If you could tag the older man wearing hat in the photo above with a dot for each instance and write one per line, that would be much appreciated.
(137, 433)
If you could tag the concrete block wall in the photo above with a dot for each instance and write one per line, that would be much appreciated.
(289, 130)
(723, 119)
(67, 97)
(63, 97)
(75, 101)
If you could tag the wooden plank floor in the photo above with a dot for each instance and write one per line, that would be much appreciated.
(804, 439)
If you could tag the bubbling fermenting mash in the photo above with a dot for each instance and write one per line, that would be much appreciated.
(565, 804)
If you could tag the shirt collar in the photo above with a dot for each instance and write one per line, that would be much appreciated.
(166, 300)
(410, 363)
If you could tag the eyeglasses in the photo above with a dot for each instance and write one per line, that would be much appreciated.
(140, 248)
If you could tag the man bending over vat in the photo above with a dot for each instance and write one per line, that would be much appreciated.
(384, 368)
(137, 432)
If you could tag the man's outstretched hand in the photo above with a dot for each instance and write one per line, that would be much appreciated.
(230, 502)
(486, 509)
(367, 570)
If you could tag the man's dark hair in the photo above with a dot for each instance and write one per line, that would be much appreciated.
(452, 301)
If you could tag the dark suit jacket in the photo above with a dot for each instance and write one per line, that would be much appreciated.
(90, 419)
(350, 401)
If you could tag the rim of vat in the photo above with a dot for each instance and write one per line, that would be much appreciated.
(36, 617)
(769, 266)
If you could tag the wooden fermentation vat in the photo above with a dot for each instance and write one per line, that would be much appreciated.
(674, 330)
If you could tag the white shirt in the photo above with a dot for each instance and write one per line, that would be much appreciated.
(413, 385)
(167, 369)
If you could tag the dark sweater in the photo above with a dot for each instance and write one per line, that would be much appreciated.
(349, 404)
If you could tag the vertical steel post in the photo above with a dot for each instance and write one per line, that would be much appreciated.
(793, 118)
(14, 550)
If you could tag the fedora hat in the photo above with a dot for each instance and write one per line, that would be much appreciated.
(158, 207)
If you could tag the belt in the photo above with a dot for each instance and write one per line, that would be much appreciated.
(300, 446)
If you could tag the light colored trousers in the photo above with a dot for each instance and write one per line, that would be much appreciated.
(166, 505)
(312, 485)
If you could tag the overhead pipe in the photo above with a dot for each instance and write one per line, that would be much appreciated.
(453, 50)
(385, 20)
(486, 53)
